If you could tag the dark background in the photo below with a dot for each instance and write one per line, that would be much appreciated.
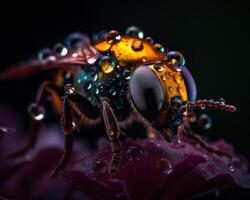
(212, 35)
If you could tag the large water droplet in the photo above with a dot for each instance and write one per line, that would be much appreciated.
(99, 166)
(137, 45)
(135, 153)
(36, 111)
(75, 40)
(107, 64)
(204, 121)
(60, 49)
(113, 37)
(175, 60)
(44, 53)
(135, 32)
(164, 165)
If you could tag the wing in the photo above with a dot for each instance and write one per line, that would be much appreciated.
(84, 54)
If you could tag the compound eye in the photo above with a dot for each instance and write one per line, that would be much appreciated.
(190, 84)
(146, 92)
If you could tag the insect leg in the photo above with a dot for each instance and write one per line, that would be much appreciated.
(113, 131)
(68, 129)
(33, 130)
(75, 107)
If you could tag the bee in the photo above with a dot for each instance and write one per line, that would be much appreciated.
(109, 81)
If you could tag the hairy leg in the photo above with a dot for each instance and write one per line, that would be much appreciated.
(75, 107)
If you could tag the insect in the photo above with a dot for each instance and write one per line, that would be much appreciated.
(109, 81)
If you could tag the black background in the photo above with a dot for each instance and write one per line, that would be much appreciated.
(214, 37)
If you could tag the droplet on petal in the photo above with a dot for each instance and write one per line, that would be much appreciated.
(36, 111)
(99, 166)
(164, 165)
(135, 153)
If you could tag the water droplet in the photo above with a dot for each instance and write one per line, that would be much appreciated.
(134, 153)
(170, 89)
(107, 64)
(36, 111)
(60, 49)
(163, 77)
(95, 76)
(126, 74)
(159, 66)
(112, 92)
(231, 168)
(164, 165)
(222, 101)
(74, 55)
(137, 45)
(44, 53)
(175, 60)
(97, 91)
(203, 107)
(169, 75)
(117, 75)
(204, 121)
(134, 32)
(75, 40)
(178, 78)
(88, 85)
(159, 47)
(99, 36)
(121, 196)
(180, 90)
(149, 40)
(99, 166)
(144, 59)
(6, 130)
(69, 89)
(113, 37)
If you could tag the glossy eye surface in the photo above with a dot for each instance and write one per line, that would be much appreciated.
(146, 92)
(190, 84)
